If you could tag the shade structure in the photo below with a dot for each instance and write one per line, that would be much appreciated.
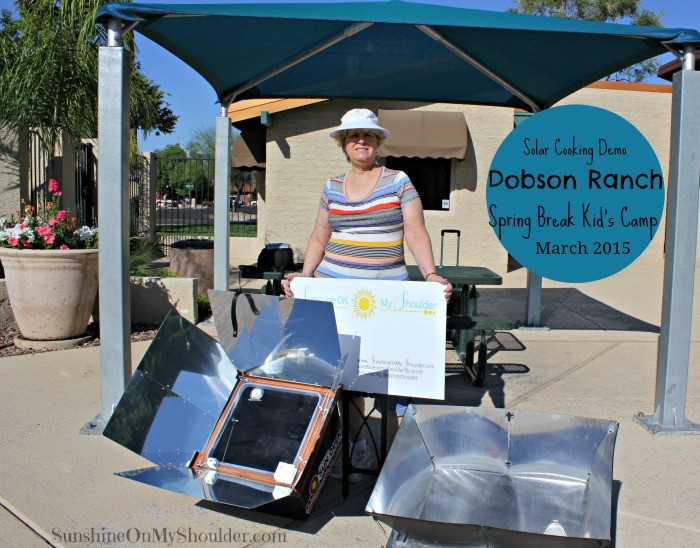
(408, 50)
(494, 477)
(394, 50)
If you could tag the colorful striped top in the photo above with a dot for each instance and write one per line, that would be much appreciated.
(367, 236)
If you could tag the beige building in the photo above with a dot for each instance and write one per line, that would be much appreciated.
(10, 178)
(300, 157)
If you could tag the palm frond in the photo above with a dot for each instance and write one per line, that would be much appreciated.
(143, 252)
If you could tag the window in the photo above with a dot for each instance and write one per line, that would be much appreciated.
(266, 426)
(430, 177)
(426, 145)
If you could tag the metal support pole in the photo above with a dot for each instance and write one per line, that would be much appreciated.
(113, 216)
(533, 297)
(679, 267)
(150, 193)
(114, 33)
(534, 300)
(688, 57)
(222, 197)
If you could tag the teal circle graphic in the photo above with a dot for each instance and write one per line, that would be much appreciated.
(575, 193)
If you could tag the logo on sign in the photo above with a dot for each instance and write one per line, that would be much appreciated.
(364, 304)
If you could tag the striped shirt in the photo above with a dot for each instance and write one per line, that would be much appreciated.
(367, 236)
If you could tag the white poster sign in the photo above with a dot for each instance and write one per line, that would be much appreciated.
(401, 330)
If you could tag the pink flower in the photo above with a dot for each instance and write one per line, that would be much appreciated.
(14, 242)
(58, 193)
(43, 230)
(25, 243)
(61, 215)
(53, 185)
(52, 222)
(49, 239)
(63, 247)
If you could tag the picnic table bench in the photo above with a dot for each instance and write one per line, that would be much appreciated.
(463, 320)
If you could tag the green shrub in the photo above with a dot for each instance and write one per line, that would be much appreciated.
(203, 307)
(142, 253)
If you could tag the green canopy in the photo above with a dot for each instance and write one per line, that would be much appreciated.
(395, 50)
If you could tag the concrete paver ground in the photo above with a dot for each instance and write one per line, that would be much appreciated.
(59, 487)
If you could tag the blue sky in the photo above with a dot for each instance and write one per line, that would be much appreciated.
(191, 97)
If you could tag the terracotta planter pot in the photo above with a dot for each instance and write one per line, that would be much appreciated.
(51, 291)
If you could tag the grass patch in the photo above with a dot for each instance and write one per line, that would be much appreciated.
(164, 273)
(207, 230)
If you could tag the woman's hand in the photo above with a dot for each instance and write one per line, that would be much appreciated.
(286, 283)
(448, 286)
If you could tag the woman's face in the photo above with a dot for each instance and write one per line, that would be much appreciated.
(361, 146)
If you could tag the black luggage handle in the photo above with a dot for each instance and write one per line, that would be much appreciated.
(442, 242)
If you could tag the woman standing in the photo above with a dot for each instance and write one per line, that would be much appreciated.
(364, 218)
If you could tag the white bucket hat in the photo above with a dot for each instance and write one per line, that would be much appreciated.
(359, 118)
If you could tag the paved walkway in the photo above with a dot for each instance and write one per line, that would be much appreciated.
(598, 360)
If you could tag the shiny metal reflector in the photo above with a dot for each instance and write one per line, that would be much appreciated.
(250, 421)
(467, 476)
(176, 395)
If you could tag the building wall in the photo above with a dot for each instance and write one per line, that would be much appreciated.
(9, 174)
(15, 168)
(301, 157)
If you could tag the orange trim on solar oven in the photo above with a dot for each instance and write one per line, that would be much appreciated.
(267, 478)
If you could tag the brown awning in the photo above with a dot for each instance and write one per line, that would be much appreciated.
(669, 69)
(423, 134)
(249, 147)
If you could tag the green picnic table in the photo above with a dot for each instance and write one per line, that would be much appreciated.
(460, 276)
(462, 316)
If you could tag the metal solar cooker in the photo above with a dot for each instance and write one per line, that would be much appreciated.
(251, 421)
(463, 476)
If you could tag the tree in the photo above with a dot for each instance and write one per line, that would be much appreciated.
(170, 170)
(610, 11)
(48, 73)
(149, 111)
(202, 143)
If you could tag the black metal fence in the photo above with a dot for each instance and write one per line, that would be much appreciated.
(139, 174)
(39, 171)
(185, 201)
(183, 188)
(86, 184)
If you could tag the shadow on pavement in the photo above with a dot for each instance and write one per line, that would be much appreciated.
(616, 488)
(329, 505)
(562, 308)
